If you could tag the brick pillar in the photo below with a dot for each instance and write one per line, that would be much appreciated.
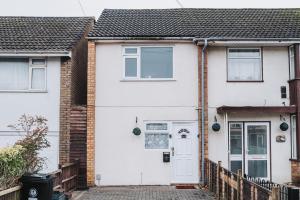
(91, 73)
(295, 165)
(65, 110)
(200, 108)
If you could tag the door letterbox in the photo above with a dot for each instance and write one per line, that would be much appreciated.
(166, 157)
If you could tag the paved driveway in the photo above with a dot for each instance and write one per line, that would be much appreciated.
(144, 193)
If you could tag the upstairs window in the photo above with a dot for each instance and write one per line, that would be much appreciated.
(148, 62)
(244, 64)
(292, 62)
(21, 74)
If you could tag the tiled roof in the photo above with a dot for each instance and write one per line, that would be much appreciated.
(202, 23)
(45, 34)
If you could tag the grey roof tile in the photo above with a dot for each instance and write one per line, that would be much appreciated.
(50, 34)
(195, 22)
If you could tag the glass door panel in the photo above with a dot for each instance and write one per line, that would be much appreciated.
(257, 168)
(257, 149)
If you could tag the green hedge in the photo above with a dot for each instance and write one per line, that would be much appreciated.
(12, 165)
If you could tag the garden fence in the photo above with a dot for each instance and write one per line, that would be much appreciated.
(65, 179)
(231, 186)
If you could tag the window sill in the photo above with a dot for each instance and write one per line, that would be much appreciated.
(294, 79)
(147, 80)
(237, 81)
(23, 91)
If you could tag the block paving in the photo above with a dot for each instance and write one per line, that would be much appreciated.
(145, 193)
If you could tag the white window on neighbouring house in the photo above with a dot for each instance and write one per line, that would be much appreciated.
(293, 137)
(292, 62)
(148, 62)
(38, 74)
(244, 64)
(22, 74)
(157, 136)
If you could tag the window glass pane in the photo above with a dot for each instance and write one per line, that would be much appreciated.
(38, 61)
(257, 139)
(244, 53)
(38, 78)
(293, 138)
(14, 73)
(156, 62)
(236, 165)
(130, 67)
(257, 168)
(244, 69)
(235, 139)
(292, 63)
(130, 50)
(157, 126)
(156, 141)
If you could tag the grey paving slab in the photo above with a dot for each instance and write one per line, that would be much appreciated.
(145, 193)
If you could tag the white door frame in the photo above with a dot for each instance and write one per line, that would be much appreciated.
(195, 151)
(257, 156)
(236, 157)
(244, 157)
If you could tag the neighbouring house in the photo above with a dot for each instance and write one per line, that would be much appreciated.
(168, 88)
(43, 66)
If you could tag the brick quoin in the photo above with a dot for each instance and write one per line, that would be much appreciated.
(91, 86)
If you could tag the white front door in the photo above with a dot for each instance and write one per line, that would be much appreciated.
(184, 153)
(257, 150)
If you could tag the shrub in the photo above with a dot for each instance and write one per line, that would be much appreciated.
(12, 165)
(24, 155)
(34, 141)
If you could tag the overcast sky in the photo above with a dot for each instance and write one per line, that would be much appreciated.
(94, 7)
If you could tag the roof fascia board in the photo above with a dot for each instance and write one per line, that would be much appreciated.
(142, 41)
(35, 54)
(237, 43)
(140, 38)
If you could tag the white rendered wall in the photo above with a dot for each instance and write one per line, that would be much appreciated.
(267, 93)
(121, 158)
(14, 104)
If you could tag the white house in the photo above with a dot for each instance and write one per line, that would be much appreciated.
(40, 69)
(192, 84)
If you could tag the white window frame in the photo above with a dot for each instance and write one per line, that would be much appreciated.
(236, 157)
(30, 68)
(260, 63)
(37, 66)
(293, 137)
(167, 132)
(292, 68)
(138, 57)
(131, 55)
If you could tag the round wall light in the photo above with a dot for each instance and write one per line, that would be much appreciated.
(216, 127)
(284, 126)
(136, 131)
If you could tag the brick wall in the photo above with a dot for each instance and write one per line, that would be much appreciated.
(205, 107)
(73, 90)
(78, 141)
(91, 86)
(295, 165)
(79, 73)
(65, 108)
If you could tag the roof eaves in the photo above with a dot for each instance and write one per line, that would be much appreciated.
(140, 38)
(35, 53)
